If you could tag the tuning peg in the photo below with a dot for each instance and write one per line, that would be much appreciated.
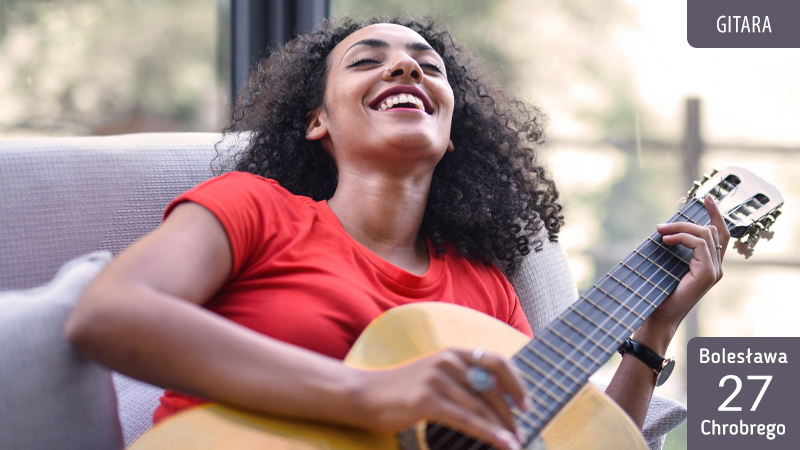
(706, 177)
(743, 249)
(694, 188)
(772, 217)
(768, 235)
(755, 234)
(714, 171)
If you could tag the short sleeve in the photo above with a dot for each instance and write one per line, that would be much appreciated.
(245, 205)
(517, 318)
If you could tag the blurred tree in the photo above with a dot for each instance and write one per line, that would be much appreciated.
(79, 66)
(559, 53)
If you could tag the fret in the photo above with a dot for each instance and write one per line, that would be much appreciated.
(699, 209)
(682, 254)
(610, 316)
(523, 415)
(596, 325)
(558, 350)
(544, 389)
(664, 247)
(603, 341)
(658, 266)
(577, 330)
(556, 365)
(634, 291)
(550, 386)
(623, 304)
(567, 341)
(652, 248)
(644, 280)
(652, 272)
(688, 219)
(560, 360)
(614, 302)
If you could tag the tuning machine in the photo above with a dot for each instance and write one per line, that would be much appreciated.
(697, 184)
(745, 244)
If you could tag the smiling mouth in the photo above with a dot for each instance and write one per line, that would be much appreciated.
(401, 101)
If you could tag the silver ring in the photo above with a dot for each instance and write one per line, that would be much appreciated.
(480, 380)
(477, 355)
(719, 247)
(389, 71)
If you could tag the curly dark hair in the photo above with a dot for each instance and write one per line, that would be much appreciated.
(488, 199)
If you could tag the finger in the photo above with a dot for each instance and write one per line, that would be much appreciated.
(495, 398)
(667, 229)
(716, 250)
(509, 381)
(680, 227)
(715, 216)
(490, 405)
(700, 251)
(455, 416)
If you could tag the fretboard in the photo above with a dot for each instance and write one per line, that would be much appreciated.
(560, 359)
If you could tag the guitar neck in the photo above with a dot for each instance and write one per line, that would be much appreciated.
(559, 360)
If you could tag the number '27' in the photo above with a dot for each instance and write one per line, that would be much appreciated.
(724, 406)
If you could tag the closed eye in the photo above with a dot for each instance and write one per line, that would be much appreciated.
(363, 61)
(432, 66)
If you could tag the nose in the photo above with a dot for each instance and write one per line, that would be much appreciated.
(403, 66)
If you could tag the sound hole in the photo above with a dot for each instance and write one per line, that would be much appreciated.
(442, 438)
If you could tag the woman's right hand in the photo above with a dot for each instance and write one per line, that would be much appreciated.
(434, 388)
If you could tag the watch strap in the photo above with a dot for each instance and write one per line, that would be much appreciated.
(652, 359)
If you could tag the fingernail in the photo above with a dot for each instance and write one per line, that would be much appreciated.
(527, 403)
(509, 438)
(521, 434)
(661, 225)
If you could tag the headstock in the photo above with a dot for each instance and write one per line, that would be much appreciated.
(749, 204)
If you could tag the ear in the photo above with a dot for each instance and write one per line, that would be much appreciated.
(316, 124)
(450, 147)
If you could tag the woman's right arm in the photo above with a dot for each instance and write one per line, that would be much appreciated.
(142, 316)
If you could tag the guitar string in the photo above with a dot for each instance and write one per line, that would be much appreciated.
(634, 292)
(621, 304)
(436, 427)
(664, 276)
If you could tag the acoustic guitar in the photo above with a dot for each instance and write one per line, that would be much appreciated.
(567, 412)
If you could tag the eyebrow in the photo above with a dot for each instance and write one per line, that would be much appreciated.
(378, 43)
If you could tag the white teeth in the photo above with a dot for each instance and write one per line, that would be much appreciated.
(402, 98)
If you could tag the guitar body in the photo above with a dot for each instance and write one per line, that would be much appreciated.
(588, 420)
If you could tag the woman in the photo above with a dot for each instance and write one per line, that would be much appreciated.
(418, 175)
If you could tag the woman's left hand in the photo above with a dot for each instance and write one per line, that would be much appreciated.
(708, 244)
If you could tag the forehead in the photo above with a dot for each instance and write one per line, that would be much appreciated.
(389, 32)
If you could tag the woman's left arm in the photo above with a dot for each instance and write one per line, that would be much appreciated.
(633, 383)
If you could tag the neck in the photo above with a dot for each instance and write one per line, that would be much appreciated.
(384, 213)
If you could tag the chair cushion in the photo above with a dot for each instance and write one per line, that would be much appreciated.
(52, 397)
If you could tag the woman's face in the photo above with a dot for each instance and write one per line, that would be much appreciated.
(387, 100)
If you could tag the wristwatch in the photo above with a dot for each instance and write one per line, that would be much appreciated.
(661, 366)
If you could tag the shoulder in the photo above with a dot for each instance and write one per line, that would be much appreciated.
(240, 190)
(243, 183)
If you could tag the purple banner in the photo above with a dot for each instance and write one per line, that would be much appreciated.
(743, 23)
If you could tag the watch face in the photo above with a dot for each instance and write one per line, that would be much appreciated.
(666, 371)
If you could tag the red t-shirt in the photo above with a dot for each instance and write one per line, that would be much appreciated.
(298, 276)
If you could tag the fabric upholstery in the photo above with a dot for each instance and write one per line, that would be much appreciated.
(52, 397)
(544, 274)
(136, 402)
(65, 197)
